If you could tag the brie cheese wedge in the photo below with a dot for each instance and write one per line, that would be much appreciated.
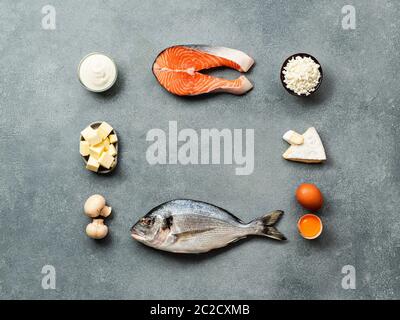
(310, 151)
(293, 137)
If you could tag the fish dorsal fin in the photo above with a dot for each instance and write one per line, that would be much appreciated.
(188, 234)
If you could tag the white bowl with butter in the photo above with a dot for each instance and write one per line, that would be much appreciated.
(97, 72)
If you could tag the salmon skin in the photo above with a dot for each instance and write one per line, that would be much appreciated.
(178, 68)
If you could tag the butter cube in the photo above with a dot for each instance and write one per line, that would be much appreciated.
(106, 143)
(93, 164)
(106, 160)
(84, 148)
(104, 130)
(95, 151)
(91, 136)
(113, 138)
(111, 150)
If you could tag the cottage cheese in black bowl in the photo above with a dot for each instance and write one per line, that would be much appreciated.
(301, 74)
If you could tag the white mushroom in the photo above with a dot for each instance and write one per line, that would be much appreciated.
(106, 211)
(95, 206)
(97, 229)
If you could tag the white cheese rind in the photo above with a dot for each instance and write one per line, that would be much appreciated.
(293, 137)
(311, 151)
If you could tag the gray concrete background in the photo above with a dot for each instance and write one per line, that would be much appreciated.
(44, 183)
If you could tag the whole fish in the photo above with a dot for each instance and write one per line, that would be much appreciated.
(189, 226)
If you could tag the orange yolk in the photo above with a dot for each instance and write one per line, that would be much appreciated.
(310, 226)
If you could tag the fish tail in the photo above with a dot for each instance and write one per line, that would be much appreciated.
(264, 226)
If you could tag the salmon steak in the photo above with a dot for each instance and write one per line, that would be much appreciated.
(178, 68)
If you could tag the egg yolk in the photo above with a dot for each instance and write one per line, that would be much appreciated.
(310, 226)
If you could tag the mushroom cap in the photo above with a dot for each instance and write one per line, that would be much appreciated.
(94, 204)
(97, 229)
(106, 211)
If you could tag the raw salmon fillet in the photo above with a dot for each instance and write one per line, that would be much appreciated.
(177, 70)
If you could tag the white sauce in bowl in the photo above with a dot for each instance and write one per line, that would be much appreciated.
(97, 72)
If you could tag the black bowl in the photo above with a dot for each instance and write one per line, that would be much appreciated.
(283, 77)
(102, 170)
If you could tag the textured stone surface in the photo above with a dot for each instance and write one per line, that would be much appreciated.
(44, 184)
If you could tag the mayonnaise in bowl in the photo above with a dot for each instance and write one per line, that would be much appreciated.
(97, 72)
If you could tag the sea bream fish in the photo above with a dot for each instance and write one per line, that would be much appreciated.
(178, 68)
(189, 226)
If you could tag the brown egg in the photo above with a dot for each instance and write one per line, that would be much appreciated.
(309, 196)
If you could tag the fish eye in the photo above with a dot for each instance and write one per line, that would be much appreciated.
(147, 221)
